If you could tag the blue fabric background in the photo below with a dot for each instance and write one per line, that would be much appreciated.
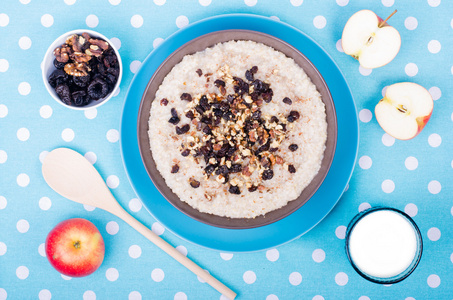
(414, 176)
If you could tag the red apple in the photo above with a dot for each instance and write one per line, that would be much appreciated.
(75, 247)
(404, 110)
(370, 40)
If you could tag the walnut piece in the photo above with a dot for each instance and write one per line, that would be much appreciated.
(62, 53)
(76, 69)
(101, 44)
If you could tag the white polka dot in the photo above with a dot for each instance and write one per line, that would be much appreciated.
(434, 234)
(113, 181)
(43, 155)
(433, 281)
(4, 65)
(115, 2)
(135, 251)
(3, 156)
(3, 248)
(318, 297)
(157, 228)
(112, 274)
(117, 92)
(89, 295)
(204, 2)
(116, 42)
(135, 204)
(435, 92)
(340, 232)
(42, 250)
(22, 226)
(24, 88)
(182, 21)
(388, 186)
(66, 277)
(272, 255)
(3, 294)
(157, 42)
(47, 20)
(318, 255)
(384, 90)
(4, 20)
(364, 206)
(137, 21)
(226, 256)
(249, 277)
(45, 203)
(434, 140)
(434, 46)
(113, 135)
(25, 43)
(45, 295)
(91, 113)
(91, 157)
(45, 111)
(364, 298)
(92, 21)
(388, 3)
(411, 163)
(339, 46)
(274, 18)
(272, 297)
(22, 272)
(364, 71)
(181, 249)
(135, 296)
(297, 2)
(341, 278)
(3, 202)
(434, 3)
(112, 228)
(23, 180)
(388, 140)
(365, 162)
(180, 296)
(342, 2)
(295, 278)
(365, 115)
(23, 134)
(88, 207)
(135, 65)
(69, 2)
(411, 69)
(434, 187)
(159, 2)
(319, 22)
(67, 134)
(3, 109)
(157, 275)
(201, 279)
(451, 258)
(410, 23)
(411, 209)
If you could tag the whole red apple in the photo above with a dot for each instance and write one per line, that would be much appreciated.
(75, 247)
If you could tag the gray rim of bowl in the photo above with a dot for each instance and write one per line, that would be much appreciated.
(199, 44)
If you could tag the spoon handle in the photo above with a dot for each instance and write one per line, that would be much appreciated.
(170, 250)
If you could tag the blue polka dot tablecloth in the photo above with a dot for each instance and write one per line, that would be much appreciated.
(414, 176)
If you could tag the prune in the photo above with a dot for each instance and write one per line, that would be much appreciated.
(186, 96)
(173, 112)
(249, 75)
(273, 149)
(98, 89)
(222, 170)
(207, 130)
(58, 65)
(265, 162)
(234, 190)
(209, 169)
(230, 98)
(228, 116)
(110, 61)
(219, 83)
(293, 147)
(256, 115)
(273, 119)
(291, 169)
(59, 76)
(204, 102)
(252, 188)
(185, 152)
(80, 98)
(223, 151)
(164, 102)
(81, 81)
(194, 183)
(217, 112)
(254, 69)
(64, 93)
(101, 69)
(174, 120)
(183, 129)
(241, 87)
(224, 106)
(206, 120)
(199, 72)
(175, 169)
(293, 116)
(236, 168)
(200, 109)
(267, 174)
(205, 150)
(267, 96)
(231, 151)
(190, 115)
(288, 101)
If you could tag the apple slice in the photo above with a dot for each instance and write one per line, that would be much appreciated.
(370, 40)
(404, 110)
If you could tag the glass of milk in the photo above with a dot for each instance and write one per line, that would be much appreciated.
(383, 244)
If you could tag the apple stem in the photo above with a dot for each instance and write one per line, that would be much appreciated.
(385, 21)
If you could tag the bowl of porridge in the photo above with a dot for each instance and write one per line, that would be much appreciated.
(237, 129)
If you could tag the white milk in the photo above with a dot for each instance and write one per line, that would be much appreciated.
(383, 244)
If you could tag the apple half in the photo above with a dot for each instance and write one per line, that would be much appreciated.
(370, 40)
(404, 110)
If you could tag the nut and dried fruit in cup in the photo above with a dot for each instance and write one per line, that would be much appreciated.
(87, 69)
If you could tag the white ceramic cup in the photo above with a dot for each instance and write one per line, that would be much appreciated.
(48, 67)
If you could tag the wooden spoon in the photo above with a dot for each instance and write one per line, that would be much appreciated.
(72, 176)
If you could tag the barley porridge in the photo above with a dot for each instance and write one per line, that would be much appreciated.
(237, 130)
